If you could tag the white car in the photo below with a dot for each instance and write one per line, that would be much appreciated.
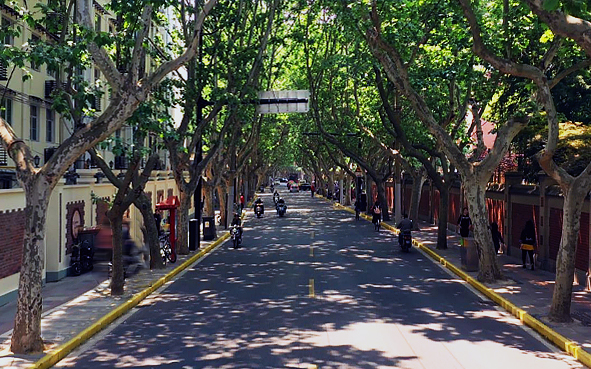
(294, 188)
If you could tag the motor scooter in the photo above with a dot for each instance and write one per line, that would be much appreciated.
(259, 209)
(405, 241)
(236, 236)
(281, 209)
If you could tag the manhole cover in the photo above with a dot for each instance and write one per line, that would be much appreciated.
(583, 316)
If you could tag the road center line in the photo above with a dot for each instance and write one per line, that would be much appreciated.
(311, 289)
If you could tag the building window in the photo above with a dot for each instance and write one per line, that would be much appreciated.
(6, 110)
(97, 74)
(50, 127)
(7, 27)
(34, 133)
(33, 40)
(97, 23)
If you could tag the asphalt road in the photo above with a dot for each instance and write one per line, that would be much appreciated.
(316, 288)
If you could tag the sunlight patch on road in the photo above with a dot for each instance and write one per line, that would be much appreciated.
(338, 297)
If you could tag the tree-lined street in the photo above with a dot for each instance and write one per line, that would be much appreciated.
(372, 306)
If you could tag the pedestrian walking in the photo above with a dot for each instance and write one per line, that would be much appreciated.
(376, 212)
(464, 223)
(242, 202)
(357, 208)
(496, 236)
(312, 189)
(528, 243)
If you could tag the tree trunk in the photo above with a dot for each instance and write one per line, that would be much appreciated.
(208, 208)
(223, 204)
(475, 193)
(347, 189)
(182, 234)
(383, 200)
(117, 276)
(26, 337)
(443, 218)
(565, 262)
(331, 185)
(145, 207)
(415, 199)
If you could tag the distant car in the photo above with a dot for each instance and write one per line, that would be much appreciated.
(294, 188)
(305, 186)
(283, 180)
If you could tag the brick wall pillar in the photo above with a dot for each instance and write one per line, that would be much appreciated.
(511, 179)
(544, 230)
(431, 196)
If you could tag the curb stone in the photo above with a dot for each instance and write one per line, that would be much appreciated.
(65, 349)
(554, 337)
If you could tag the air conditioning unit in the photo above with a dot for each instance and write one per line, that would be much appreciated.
(120, 162)
(3, 72)
(3, 156)
(49, 87)
(96, 103)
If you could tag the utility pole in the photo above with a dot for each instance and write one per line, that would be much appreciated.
(197, 196)
(397, 170)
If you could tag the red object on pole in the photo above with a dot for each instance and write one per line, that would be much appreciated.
(171, 204)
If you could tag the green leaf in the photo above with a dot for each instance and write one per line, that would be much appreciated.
(551, 5)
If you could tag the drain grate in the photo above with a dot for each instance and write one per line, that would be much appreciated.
(583, 316)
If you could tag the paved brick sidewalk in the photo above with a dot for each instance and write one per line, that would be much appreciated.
(79, 309)
(530, 290)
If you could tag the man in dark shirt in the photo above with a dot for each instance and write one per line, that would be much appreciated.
(404, 225)
(464, 223)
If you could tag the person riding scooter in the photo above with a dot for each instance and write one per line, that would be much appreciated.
(405, 226)
(259, 203)
(237, 221)
(281, 207)
(276, 197)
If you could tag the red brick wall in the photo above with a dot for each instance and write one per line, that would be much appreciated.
(12, 229)
(454, 208)
(436, 197)
(582, 254)
(496, 212)
(406, 197)
(390, 195)
(521, 214)
(424, 204)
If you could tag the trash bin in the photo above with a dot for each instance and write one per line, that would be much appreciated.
(208, 228)
(193, 229)
(469, 254)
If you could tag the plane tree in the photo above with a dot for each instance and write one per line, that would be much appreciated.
(128, 89)
(543, 74)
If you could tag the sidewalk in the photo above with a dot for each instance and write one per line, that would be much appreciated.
(529, 290)
(75, 303)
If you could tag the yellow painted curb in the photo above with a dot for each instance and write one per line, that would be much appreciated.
(62, 351)
(556, 338)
